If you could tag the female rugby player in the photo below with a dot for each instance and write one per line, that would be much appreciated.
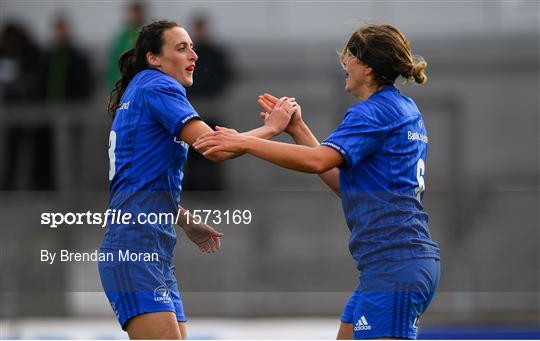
(153, 126)
(375, 160)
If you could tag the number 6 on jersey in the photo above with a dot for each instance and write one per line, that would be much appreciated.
(420, 172)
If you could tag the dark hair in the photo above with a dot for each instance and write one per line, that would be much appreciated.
(387, 51)
(150, 39)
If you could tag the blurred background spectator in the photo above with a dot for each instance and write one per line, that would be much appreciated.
(125, 40)
(28, 146)
(20, 59)
(213, 66)
(67, 74)
(68, 79)
(59, 75)
(213, 75)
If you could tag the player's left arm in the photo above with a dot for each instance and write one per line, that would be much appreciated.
(301, 135)
(204, 236)
(275, 123)
(299, 158)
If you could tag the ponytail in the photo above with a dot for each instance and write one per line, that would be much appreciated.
(128, 69)
(419, 65)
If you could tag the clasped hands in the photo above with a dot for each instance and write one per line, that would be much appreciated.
(279, 115)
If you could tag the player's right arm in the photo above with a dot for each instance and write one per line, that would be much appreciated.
(302, 135)
(275, 123)
(195, 128)
(168, 104)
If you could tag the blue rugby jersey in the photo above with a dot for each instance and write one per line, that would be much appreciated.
(384, 143)
(146, 160)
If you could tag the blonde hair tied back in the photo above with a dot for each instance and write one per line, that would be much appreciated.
(416, 71)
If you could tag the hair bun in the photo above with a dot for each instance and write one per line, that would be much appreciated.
(419, 65)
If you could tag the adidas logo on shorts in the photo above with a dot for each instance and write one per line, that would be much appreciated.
(362, 324)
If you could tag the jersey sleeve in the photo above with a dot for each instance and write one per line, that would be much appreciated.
(170, 106)
(356, 137)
